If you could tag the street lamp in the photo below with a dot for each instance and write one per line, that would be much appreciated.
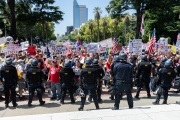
(5, 26)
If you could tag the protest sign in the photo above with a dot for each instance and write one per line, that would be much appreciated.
(164, 49)
(11, 49)
(31, 50)
(25, 45)
(137, 46)
(92, 48)
(163, 41)
(106, 43)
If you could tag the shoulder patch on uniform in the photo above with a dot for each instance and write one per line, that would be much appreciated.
(33, 73)
(169, 73)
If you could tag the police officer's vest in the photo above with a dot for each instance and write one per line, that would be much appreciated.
(35, 75)
(67, 76)
(168, 75)
(89, 75)
(145, 68)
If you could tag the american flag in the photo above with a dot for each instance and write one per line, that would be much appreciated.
(114, 49)
(152, 42)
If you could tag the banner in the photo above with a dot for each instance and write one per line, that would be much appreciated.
(11, 49)
(137, 46)
(31, 50)
(106, 43)
(164, 49)
(92, 48)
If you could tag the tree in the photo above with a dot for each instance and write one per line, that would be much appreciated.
(165, 18)
(11, 4)
(44, 11)
(116, 9)
(97, 12)
(104, 27)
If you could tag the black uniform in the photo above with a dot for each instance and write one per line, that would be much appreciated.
(166, 76)
(34, 77)
(88, 78)
(67, 81)
(112, 74)
(100, 74)
(9, 73)
(143, 75)
(123, 75)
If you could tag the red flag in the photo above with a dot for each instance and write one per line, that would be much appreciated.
(152, 42)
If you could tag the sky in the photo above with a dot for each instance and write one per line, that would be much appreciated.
(66, 6)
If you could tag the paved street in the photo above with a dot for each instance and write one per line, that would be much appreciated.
(55, 106)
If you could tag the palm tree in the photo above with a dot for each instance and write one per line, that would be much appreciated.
(104, 26)
(97, 13)
(91, 28)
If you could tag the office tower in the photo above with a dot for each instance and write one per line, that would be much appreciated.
(80, 14)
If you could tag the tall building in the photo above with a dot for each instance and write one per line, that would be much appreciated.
(69, 29)
(80, 14)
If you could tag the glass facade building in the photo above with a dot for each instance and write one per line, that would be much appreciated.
(80, 14)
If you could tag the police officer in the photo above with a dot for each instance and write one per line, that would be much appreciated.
(9, 74)
(123, 75)
(88, 81)
(67, 81)
(163, 60)
(143, 76)
(34, 77)
(166, 76)
(100, 74)
(116, 60)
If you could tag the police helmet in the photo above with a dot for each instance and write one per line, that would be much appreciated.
(8, 61)
(88, 61)
(95, 61)
(123, 56)
(168, 64)
(144, 57)
(34, 63)
(163, 59)
(67, 64)
(116, 58)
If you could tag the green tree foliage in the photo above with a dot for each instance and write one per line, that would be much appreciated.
(97, 13)
(165, 17)
(108, 26)
(117, 8)
(32, 17)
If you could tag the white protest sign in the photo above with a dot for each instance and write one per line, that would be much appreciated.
(163, 41)
(107, 43)
(13, 49)
(92, 48)
(2, 40)
(102, 49)
(137, 46)
(164, 49)
(25, 45)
